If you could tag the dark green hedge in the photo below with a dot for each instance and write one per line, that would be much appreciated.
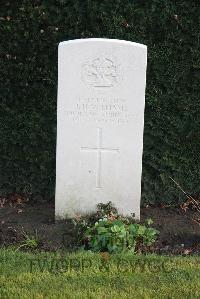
(30, 32)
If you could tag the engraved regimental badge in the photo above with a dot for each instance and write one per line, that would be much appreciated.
(101, 72)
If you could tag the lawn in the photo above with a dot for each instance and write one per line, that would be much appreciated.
(90, 275)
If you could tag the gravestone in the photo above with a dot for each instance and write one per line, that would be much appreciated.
(100, 115)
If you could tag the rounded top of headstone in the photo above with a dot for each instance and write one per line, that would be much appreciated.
(107, 40)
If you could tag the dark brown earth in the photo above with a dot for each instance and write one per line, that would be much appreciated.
(178, 233)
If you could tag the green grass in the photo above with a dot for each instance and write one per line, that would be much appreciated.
(89, 275)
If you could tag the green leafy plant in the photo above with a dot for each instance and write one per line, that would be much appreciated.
(106, 230)
(29, 242)
(116, 236)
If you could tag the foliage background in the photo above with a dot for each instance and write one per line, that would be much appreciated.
(30, 32)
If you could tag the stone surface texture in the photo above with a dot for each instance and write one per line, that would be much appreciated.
(100, 116)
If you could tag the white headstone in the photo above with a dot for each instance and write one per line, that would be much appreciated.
(100, 115)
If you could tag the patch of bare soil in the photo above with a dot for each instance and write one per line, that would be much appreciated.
(178, 234)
